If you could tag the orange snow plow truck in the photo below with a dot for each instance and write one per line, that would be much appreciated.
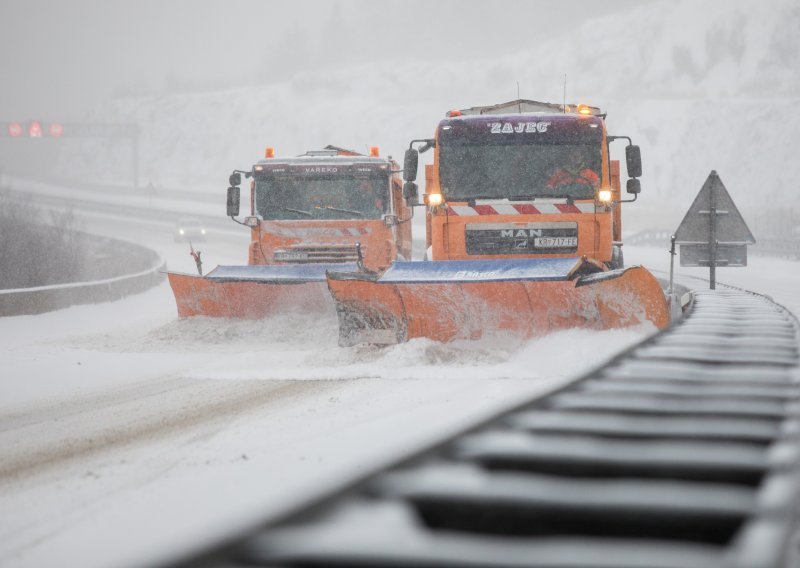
(523, 232)
(327, 209)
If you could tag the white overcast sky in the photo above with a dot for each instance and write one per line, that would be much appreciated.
(61, 58)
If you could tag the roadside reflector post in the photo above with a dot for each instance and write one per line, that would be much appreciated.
(713, 232)
(674, 301)
(671, 263)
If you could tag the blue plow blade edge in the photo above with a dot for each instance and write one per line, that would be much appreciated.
(282, 274)
(541, 269)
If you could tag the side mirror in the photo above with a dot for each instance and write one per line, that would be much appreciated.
(233, 201)
(633, 160)
(410, 165)
(410, 192)
(634, 186)
(235, 179)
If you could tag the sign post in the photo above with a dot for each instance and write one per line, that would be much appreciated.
(713, 232)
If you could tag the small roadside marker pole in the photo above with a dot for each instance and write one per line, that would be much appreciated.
(674, 302)
(672, 240)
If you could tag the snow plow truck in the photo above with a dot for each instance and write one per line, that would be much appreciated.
(327, 209)
(523, 230)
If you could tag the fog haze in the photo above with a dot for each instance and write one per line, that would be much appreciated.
(62, 59)
(699, 85)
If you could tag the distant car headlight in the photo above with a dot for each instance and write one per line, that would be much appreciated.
(180, 231)
(203, 231)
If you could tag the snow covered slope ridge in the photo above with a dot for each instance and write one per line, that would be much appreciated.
(699, 86)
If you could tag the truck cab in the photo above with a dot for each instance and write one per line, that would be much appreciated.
(324, 205)
(524, 180)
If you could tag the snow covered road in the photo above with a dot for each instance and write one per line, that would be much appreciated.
(128, 434)
(119, 419)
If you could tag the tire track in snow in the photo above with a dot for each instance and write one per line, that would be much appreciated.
(195, 405)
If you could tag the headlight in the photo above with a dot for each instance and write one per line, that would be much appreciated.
(180, 231)
(202, 231)
(435, 199)
(604, 196)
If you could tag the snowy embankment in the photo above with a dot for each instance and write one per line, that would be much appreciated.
(698, 88)
(127, 281)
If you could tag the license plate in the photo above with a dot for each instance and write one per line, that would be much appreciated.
(290, 255)
(555, 242)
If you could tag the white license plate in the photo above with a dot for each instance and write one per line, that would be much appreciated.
(280, 255)
(555, 242)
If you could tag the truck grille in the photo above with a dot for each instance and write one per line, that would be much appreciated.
(521, 238)
(314, 254)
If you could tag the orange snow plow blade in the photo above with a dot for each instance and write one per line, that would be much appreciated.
(253, 292)
(450, 300)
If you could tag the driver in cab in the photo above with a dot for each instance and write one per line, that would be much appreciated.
(368, 196)
(574, 172)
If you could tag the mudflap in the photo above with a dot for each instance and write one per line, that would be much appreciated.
(253, 292)
(452, 300)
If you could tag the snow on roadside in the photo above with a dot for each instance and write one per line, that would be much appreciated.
(108, 388)
(72, 351)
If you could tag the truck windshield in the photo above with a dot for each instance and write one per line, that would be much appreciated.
(519, 171)
(321, 198)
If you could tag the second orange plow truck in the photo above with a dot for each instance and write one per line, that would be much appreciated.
(327, 209)
(523, 231)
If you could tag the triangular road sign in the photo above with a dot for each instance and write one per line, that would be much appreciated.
(698, 226)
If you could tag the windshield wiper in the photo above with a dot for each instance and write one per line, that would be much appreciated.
(306, 213)
(359, 213)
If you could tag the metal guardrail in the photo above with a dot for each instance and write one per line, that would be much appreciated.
(141, 211)
(40, 299)
(787, 248)
(682, 452)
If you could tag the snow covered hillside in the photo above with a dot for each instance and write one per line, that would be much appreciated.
(699, 86)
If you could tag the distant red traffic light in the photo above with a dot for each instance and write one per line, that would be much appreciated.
(35, 129)
(15, 130)
(56, 130)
